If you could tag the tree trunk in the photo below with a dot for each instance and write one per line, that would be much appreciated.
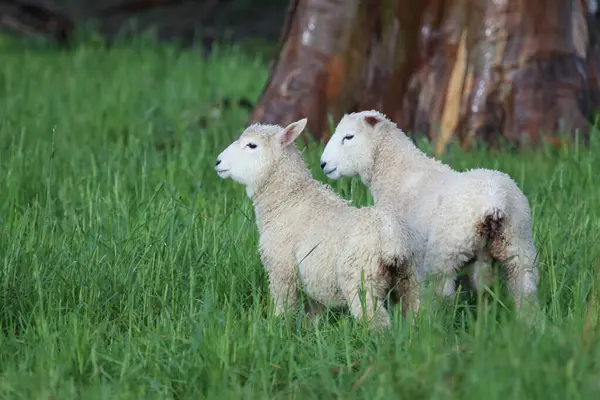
(36, 18)
(524, 71)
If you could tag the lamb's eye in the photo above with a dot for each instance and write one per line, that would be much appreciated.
(347, 137)
(251, 145)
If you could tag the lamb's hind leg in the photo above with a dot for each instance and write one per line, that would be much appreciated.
(406, 288)
(481, 272)
(358, 286)
(521, 273)
(517, 257)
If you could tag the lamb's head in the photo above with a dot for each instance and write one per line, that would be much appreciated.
(250, 159)
(351, 149)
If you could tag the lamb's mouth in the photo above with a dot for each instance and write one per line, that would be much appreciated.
(330, 171)
(222, 172)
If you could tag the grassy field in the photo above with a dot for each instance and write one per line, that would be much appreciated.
(130, 271)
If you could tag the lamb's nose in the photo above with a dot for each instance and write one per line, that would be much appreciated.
(218, 162)
(323, 164)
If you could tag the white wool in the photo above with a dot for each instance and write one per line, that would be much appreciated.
(310, 238)
(451, 209)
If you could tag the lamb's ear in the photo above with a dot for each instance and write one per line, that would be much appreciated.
(291, 132)
(372, 120)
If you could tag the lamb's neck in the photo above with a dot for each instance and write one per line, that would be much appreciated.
(281, 187)
(399, 169)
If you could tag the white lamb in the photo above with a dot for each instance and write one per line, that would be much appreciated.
(468, 219)
(310, 238)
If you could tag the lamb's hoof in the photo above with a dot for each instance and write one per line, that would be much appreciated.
(528, 312)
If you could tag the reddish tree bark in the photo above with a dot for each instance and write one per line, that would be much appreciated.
(521, 70)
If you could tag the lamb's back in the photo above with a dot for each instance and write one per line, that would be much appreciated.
(461, 199)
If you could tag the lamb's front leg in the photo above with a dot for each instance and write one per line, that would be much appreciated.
(443, 262)
(283, 285)
(283, 280)
(444, 283)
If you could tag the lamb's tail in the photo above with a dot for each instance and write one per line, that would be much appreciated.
(489, 247)
(492, 203)
(490, 228)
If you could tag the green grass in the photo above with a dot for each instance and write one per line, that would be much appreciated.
(128, 272)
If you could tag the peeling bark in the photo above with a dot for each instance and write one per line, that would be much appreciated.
(448, 69)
